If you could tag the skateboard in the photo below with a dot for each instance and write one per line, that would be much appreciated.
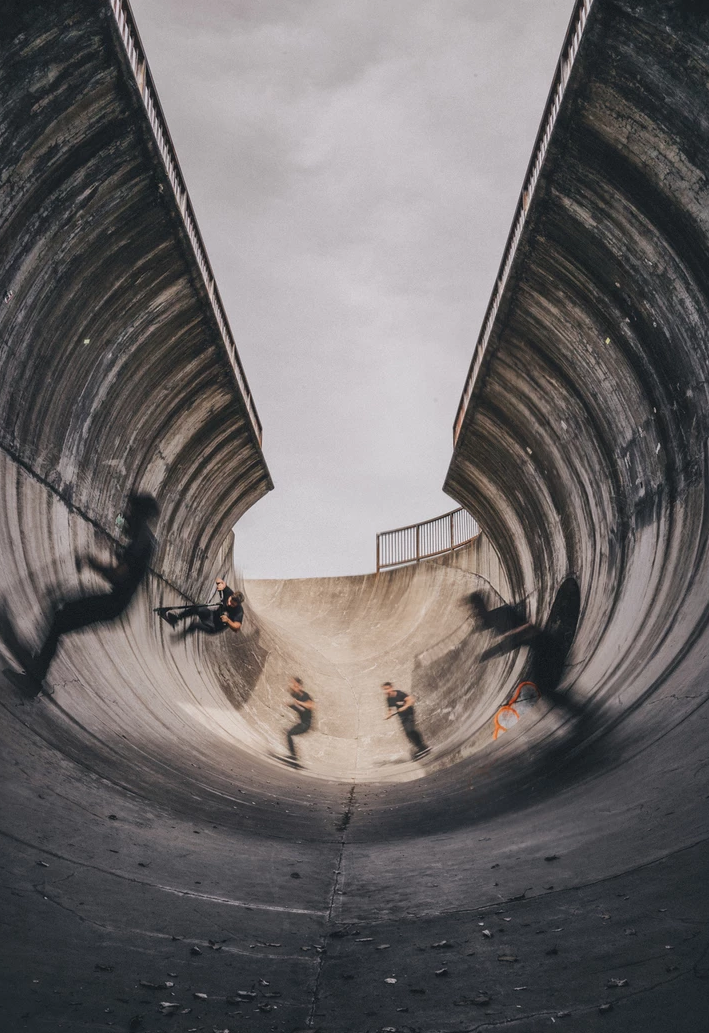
(285, 760)
(164, 613)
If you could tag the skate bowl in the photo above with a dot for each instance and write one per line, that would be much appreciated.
(161, 871)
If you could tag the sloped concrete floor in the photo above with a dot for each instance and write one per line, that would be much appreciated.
(142, 818)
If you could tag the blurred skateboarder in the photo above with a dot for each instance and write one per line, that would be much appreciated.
(303, 704)
(402, 705)
(124, 576)
(212, 619)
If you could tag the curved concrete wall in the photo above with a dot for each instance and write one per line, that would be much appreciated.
(113, 370)
(152, 851)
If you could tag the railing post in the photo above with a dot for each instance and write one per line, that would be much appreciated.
(377, 554)
(452, 545)
(418, 539)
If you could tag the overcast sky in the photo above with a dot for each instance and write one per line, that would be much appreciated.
(354, 167)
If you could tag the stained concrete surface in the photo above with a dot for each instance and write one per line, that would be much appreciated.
(142, 818)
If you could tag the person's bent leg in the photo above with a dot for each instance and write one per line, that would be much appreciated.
(414, 737)
(295, 730)
(184, 613)
(72, 615)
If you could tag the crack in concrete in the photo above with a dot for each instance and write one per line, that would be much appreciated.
(167, 889)
(64, 907)
(344, 825)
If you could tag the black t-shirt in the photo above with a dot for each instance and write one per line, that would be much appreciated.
(234, 613)
(305, 714)
(136, 557)
(397, 701)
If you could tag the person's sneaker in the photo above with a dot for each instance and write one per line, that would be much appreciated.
(169, 616)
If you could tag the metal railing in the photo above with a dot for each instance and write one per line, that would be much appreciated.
(139, 64)
(423, 541)
(551, 111)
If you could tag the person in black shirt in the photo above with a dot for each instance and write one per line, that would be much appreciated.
(303, 704)
(124, 576)
(229, 613)
(402, 705)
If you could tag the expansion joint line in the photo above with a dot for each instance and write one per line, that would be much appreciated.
(336, 885)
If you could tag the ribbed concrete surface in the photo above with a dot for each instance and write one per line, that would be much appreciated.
(141, 816)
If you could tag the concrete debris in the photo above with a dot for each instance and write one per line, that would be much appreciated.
(389, 979)
(383, 947)
(603, 1008)
(507, 957)
(200, 997)
(441, 971)
(265, 1007)
(487, 934)
(630, 932)
(263, 982)
(42, 864)
(615, 983)
(441, 945)
(195, 950)
(169, 1007)
(151, 986)
(246, 995)
(103, 968)
(364, 939)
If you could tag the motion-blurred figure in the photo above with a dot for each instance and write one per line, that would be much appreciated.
(212, 619)
(124, 575)
(402, 705)
(304, 705)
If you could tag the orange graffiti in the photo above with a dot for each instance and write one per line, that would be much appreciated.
(525, 695)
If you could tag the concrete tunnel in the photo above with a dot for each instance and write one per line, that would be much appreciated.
(160, 871)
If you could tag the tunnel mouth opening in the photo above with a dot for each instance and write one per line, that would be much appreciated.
(563, 619)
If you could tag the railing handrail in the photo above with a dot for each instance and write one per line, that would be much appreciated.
(128, 31)
(447, 519)
(422, 523)
(569, 51)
